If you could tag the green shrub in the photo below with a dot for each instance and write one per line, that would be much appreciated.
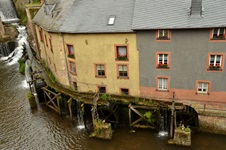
(29, 95)
(21, 66)
(187, 129)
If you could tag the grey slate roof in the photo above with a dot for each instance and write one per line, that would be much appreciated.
(175, 14)
(85, 16)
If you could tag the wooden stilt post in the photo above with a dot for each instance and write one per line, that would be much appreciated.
(130, 116)
(58, 103)
(172, 117)
(70, 110)
(44, 95)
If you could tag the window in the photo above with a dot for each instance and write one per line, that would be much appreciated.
(100, 70)
(218, 34)
(203, 87)
(102, 89)
(111, 20)
(41, 36)
(46, 41)
(215, 62)
(72, 67)
(50, 44)
(70, 49)
(162, 84)
(121, 53)
(122, 71)
(75, 86)
(163, 35)
(125, 91)
(162, 60)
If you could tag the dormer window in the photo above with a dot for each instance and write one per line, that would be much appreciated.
(163, 35)
(111, 20)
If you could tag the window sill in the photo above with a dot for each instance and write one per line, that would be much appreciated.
(120, 77)
(162, 38)
(71, 57)
(197, 93)
(158, 90)
(214, 69)
(162, 67)
(98, 76)
(121, 59)
(74, 74)
(218, 40)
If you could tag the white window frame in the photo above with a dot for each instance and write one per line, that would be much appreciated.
(163, 59)
(163, 33)
(72, 70)
(215, 60)
(124, 69)
(71, 50)
(203, 87)
(100, 67)
(218, 31)
(122, 49)
(163, 84)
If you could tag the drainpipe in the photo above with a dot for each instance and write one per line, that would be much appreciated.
(65, 57)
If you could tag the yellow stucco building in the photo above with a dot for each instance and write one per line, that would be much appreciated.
(87, 53)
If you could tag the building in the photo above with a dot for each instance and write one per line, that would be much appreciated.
(89, 45)
(182, 46)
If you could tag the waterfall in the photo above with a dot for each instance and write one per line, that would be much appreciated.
(80, 113)
(163, 122)
(7, 11)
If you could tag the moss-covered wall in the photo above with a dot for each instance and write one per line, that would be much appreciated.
(20, 9)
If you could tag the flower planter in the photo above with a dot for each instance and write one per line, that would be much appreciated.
(71, 56)
(214, 68)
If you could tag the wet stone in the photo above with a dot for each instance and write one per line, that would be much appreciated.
(102, 130)
(182, 137)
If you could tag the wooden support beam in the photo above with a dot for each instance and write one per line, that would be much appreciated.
(69, 106)
(54, 106)
(142, 117)
(135, 122)
(144, 107)
(172, 116)
(144, 126)
(137, 112)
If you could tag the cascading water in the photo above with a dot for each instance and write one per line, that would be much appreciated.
(13, 55)
(163, 123)
(80, 114)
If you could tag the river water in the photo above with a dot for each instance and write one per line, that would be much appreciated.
(22, 128)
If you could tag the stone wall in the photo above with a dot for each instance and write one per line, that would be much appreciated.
(212, 124)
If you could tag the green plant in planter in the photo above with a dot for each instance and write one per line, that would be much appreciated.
(71, 55)
(187, 129)
(122, 57)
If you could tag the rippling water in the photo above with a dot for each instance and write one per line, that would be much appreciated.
(22, 128)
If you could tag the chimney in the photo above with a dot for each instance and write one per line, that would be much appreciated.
(196, 7)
